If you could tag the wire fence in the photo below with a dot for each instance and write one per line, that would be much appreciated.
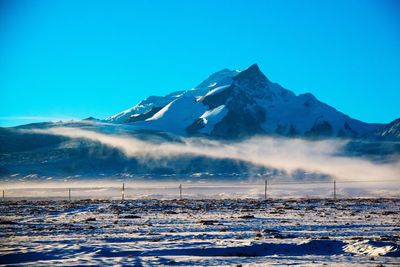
(174, 190)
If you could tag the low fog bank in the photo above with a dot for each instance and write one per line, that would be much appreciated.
(100, 189)
(290, 155)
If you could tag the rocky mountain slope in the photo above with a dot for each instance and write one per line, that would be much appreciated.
(229, 106)
(233, 104)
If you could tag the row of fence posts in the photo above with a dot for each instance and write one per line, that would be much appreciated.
(180, 191)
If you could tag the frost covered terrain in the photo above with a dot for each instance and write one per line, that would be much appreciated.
(304, 232)
(236, 129)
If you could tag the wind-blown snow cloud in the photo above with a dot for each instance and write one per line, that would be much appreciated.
(287, 154)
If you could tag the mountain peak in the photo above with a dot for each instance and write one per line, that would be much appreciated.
(231, 104)
(252, 80)
(91, 119)
(254, 67)
(218, 77)
(251, 73)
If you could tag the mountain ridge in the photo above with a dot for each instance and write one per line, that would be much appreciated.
(225, 108)
(246, 103)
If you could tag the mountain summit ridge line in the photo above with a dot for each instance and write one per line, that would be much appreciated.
(234, 104)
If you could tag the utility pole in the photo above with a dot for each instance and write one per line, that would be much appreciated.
(265, 189)
(3, 195)
(334, 190)
(69, 194)
(180, 191)
(123, 192)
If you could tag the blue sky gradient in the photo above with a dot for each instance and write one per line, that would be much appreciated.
(75, 59)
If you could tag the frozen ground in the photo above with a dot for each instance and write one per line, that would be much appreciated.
(312, 232)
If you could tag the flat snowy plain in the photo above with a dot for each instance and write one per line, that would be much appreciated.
(226, 232)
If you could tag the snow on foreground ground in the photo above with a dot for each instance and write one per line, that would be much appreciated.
(304, 232)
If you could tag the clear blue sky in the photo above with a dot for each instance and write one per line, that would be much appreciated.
(75, 59)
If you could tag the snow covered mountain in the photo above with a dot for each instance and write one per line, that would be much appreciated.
(229, 105)
(234, 104)
(149, 106)
(388, 132)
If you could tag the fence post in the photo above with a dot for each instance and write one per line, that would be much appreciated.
(69, 194)
(180, 191)
(123, 192)
(265, 189)
(334, 190)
